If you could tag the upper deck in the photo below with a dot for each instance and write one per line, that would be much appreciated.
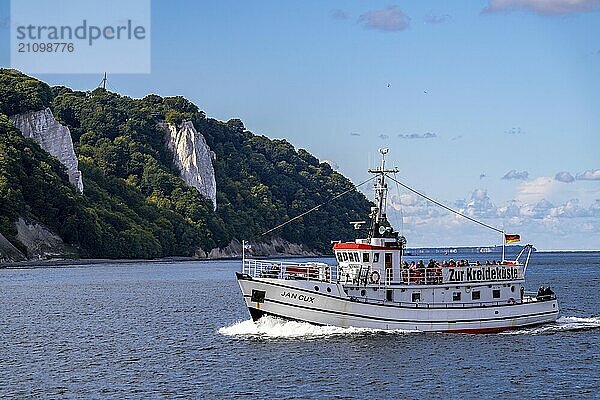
(365, 275)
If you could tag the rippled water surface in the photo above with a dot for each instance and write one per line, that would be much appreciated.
(166, 330)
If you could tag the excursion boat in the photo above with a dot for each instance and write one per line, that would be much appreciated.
(373, 286)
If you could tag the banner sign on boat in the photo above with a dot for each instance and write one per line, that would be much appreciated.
(483, 273)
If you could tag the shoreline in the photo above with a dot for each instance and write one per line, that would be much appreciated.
(64, 262)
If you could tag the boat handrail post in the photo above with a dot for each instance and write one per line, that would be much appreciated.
(243, 254)
(503, 245)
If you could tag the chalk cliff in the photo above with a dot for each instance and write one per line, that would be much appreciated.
(275, 248)
(193, 157)
(52, 137)
(40, 242)
(8, 252)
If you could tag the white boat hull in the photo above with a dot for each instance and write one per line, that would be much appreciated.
(298, 300)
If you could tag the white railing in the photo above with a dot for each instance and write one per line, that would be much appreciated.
(322, 272)
(314, 271)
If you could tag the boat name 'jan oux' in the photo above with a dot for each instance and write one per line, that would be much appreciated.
(301, 297)
(482, 274)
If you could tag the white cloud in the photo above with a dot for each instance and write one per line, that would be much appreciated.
(595, 208)
(589, 175)
(538, 210)
(480, 205)
(511, 210)
(564, 176)
(569, 224)
(543, 7)
(571, 209)
(390, 19)
(514, 174)
(536, 189)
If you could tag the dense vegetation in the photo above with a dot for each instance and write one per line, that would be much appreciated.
(134, 204)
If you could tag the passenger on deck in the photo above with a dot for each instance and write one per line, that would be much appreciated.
(420, 272)
(430, 272)
(438, 274)
(404, 271)
(478, 263)
(452, 264)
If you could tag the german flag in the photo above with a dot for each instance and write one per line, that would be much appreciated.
(512, 238)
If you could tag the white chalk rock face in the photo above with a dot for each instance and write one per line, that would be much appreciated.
(52, 137)
(193, 157)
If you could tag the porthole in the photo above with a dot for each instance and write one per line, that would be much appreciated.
(328, 289)
(495, 312)
(317, 288)
(512, 288)
(363, 292)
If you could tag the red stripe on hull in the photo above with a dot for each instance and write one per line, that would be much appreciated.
(483, 330)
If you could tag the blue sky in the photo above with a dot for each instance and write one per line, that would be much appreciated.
(496, 86)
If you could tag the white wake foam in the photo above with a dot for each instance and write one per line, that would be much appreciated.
(270, 327)
(563, 324)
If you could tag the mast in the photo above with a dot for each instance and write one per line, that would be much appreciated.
(380, 227)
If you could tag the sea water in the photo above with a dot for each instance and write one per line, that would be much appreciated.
(180, 330)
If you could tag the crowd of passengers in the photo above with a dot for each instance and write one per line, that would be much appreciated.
(418, 272)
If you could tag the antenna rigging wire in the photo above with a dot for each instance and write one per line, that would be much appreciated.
(318, 206)
(445, 207)
(401, 210)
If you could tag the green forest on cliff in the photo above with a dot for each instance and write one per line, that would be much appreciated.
(134, 204)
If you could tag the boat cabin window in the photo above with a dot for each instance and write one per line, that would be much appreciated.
(375, 257)
(496, 293)
(456, 296)
(416, 296)
(351, 256)
(389, 295)
(339, 257)
(356, 257)
(366, 257)
(475, 295)
(345, 256)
